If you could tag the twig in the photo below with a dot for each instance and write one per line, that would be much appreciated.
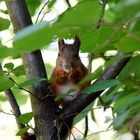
(68, 3)
(44, 15)
(100, 132)
(90, 58)
(31, 128)
(14, 105)
(73, 136)
(41, 11)
(6, 113)
(22, 87)
(86, 126)
(79, 131)
(69, 130)
(102, 14)
(81, 112)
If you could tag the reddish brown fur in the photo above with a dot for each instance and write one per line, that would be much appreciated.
(76, 70)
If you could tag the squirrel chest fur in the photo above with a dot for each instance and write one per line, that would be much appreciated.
(69, 70)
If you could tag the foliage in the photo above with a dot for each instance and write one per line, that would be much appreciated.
(115, 28)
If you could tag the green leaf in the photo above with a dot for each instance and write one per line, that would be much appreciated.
(129, 43)
(25, 39)
(33, 5)
(68, 24)
(73, 16)
(4, 23)
(126, 102)
(131, 70)
(111, 95)
(31, 82)
(122, 9)
(2, 72)
(3, 97)
(9, 66)
(22, 131)
(61, 96)
(92, 76)
(5, 83)
(83, 114)
(26, 118)
(119, 120)
(100, 40)
(5, 52)
(51, 3)
(99, 86)
(18, 71)
(109, 16)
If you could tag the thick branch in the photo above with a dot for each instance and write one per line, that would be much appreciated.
(34, 67)
(84, 100)
(19, 14)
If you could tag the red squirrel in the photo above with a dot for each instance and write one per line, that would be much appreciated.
(69, 70)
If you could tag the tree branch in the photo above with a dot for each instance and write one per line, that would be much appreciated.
(104, 2)
(34, 67)
(41, 11)
(68, 3)
(83, 100)
(14, 105)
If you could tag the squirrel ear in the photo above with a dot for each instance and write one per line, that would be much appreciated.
(77, 42)
(61, 43)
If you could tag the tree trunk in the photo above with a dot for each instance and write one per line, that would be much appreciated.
(34, 67)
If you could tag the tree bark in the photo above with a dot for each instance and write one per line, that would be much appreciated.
(34, 67)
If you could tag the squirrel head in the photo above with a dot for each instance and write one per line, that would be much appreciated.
(68, 55)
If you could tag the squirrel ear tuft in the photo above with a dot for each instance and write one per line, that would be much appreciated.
(77, 42)
(61, 43)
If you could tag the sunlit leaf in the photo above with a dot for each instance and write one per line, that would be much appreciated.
(22, 131)
(129, 43)
(31, 82)
(4, 23)
(99, 86)
(5, 52)
(9, 66)
(122, 9)
(26, 118)
(18, 71)
(5, 83)
(91, 76)
(51, 3)
(33, 5)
